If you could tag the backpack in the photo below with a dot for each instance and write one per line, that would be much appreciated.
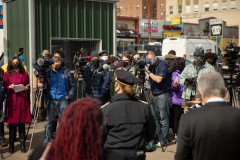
(150, 147)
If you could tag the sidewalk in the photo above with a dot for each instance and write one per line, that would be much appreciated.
(38, 139)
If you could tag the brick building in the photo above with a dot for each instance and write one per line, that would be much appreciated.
(161, 10)
(193, 11)
(137, 8)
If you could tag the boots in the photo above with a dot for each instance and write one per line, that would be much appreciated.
(12, 134)
(22, 138)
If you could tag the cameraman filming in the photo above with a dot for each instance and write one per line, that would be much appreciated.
(161, 98)
(60, 84)
(192, 73)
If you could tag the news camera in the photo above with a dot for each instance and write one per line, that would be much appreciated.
(140, 69)
(41, 66)
(232, 51)
(80, 62)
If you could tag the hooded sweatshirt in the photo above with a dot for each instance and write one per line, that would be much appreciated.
(176, 93)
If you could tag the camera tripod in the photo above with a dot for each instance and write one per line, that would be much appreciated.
(143, 93)
(36, 108)
(80, 80)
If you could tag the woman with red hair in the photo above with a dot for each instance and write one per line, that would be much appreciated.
(79, 134)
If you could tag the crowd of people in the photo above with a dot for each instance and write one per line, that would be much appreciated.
(113, 121)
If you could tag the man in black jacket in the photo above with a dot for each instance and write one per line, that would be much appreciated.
(210, 132)
(169, 58)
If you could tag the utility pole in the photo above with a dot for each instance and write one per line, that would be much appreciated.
(149, 24)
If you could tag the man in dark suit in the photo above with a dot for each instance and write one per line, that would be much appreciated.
(212, 131)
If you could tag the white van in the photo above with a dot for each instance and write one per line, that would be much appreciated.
(184, 47)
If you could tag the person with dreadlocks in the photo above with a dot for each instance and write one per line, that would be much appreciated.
(79, 134)
(129, 122)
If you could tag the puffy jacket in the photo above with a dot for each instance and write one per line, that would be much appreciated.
(71, 87)
(112, 89)
(176, 93)
(168, 59)
(189, 71)
(97, 82)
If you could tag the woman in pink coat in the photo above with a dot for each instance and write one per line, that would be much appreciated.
(17, 111)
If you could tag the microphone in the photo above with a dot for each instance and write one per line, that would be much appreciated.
(40, 62)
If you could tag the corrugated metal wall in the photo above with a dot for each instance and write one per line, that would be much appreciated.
(73, 19)
(18, 28)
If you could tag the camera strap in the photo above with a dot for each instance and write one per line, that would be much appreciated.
(194, 87)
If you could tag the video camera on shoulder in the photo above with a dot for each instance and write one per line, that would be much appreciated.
(80, 62)
(232, 51)
(41, 66)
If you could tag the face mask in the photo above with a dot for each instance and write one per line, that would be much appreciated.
(16, 66)
(57, 67)
(199, 61)
(105, 58)
(211, 62)
(153, 61)
(95, 63)
(125, 64)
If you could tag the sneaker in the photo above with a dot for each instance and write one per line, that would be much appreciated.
(3, 144)
(158, 145)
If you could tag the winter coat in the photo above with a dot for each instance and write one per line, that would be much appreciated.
(189, 71)
(97, 82)
(176, 93)
(168, 59)
(17, 104)
(71, 87)
(112, 89)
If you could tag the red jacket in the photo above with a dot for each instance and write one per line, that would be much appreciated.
(16, 103)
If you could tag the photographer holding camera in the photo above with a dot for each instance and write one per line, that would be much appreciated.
(192, 73)
(161, 98)
(60, 84)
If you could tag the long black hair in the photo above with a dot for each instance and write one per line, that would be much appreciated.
(178, 64)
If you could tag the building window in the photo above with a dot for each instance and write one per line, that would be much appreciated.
(145, 7)
(120, 8)
(161, 15)
(170, 10)
(137, 6)
(154, 7)
(154, 16)
(195, 8)
(126, 6)
(126, 15)
(131, 14)
(233, 4)
(206, 7)
(215, 6)
(131, 6)
(187, 9)
(144, 15)
(120, 15)
(224, 5)
(161, 5)
(137, 15)
(180, 9)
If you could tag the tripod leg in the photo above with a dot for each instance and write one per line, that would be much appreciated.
(35, 120)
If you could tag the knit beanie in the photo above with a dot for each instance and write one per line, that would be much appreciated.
(199, 51)
(94, 54)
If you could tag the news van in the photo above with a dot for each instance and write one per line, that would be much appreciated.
(185, 46)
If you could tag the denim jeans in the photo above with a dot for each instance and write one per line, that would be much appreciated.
(60, 105)
(161, 104)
